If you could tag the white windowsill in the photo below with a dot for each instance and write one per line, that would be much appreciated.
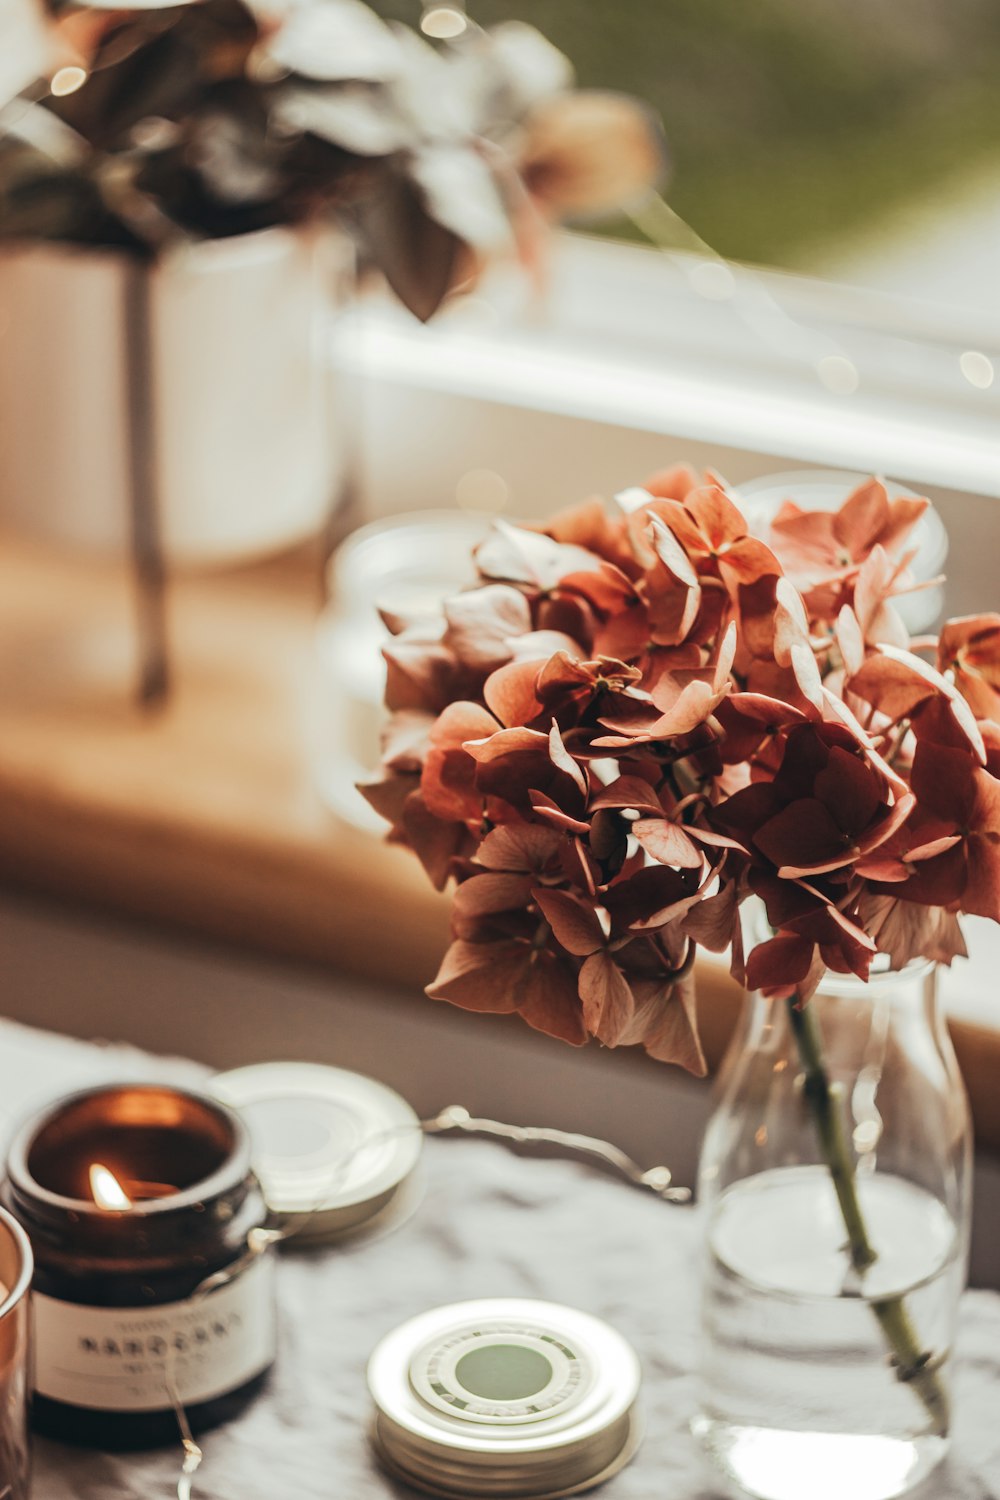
(624, 341)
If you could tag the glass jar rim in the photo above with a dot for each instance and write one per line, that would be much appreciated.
(19, 1290)
(26, 1187)
(371, 553)
(881, 978)
(754, 921)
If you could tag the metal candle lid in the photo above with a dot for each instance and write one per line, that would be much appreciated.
(506, 1397)
(335, 1152)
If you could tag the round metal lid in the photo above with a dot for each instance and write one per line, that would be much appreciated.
(504, 1397)
(335, 1152)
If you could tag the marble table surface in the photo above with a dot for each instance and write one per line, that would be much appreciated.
(490, 1223)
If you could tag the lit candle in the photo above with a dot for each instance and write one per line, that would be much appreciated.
(107, 1192)
(106, 1189)
(133, 1197)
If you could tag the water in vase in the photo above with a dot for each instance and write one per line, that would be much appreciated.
(803, 1398)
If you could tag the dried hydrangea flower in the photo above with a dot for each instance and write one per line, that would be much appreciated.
(642, 717)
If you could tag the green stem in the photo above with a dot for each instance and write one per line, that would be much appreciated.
(913, 1364)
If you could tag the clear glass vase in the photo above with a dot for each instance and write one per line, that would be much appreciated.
(835, 1181)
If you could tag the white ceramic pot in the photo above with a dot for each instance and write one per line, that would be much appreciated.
(247, 456)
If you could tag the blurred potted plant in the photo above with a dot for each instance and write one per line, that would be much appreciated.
(191, 181)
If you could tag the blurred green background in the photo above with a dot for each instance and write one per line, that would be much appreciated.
(797, 128)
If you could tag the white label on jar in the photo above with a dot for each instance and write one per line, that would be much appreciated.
(125, 1358)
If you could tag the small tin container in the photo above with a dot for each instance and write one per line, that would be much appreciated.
(504, 1397)
(124, 1324)
(336, 1153)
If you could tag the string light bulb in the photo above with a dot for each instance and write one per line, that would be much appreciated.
(977, 368)
(443, 22)
(67, 81)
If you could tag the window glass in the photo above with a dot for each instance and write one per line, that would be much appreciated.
(853, 139)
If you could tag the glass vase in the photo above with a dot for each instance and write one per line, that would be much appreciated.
(835, 1182)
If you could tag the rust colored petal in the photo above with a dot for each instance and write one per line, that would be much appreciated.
(628, 791)
(804, 837)
(573, 921)
(512, 975)
(436, 843)
(608, 1002)
(482, 621)
(492, 892)
(712, 920)
(849, 789)
(904, 513)
(781, 962)
(548, 1000)
(550, 812)
(717, 518)
(510, 693)
(675, 483)
(804, 539)
(746, 562)
(667, 843)
(647, 895)
(970, 647)
(388, 795)
(520, 848)
(664, 1022)
(512, 554)
(981, 897)
(862, 518)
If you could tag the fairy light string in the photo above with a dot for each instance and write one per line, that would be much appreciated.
(453, 1118)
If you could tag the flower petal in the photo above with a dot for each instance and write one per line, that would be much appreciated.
(520, 848)
(608, 1002)
(804, 838)
(667, 843)
(573, 921)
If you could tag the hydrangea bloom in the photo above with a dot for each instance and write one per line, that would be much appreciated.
(640, 718)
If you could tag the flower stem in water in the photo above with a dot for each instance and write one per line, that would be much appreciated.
(912, 1363)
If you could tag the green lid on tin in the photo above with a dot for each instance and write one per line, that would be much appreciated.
(505, 1397)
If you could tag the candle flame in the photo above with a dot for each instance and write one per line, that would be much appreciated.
(107, 1190)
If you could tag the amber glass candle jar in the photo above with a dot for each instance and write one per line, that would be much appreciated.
(15, 1279)
(133, 1197)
